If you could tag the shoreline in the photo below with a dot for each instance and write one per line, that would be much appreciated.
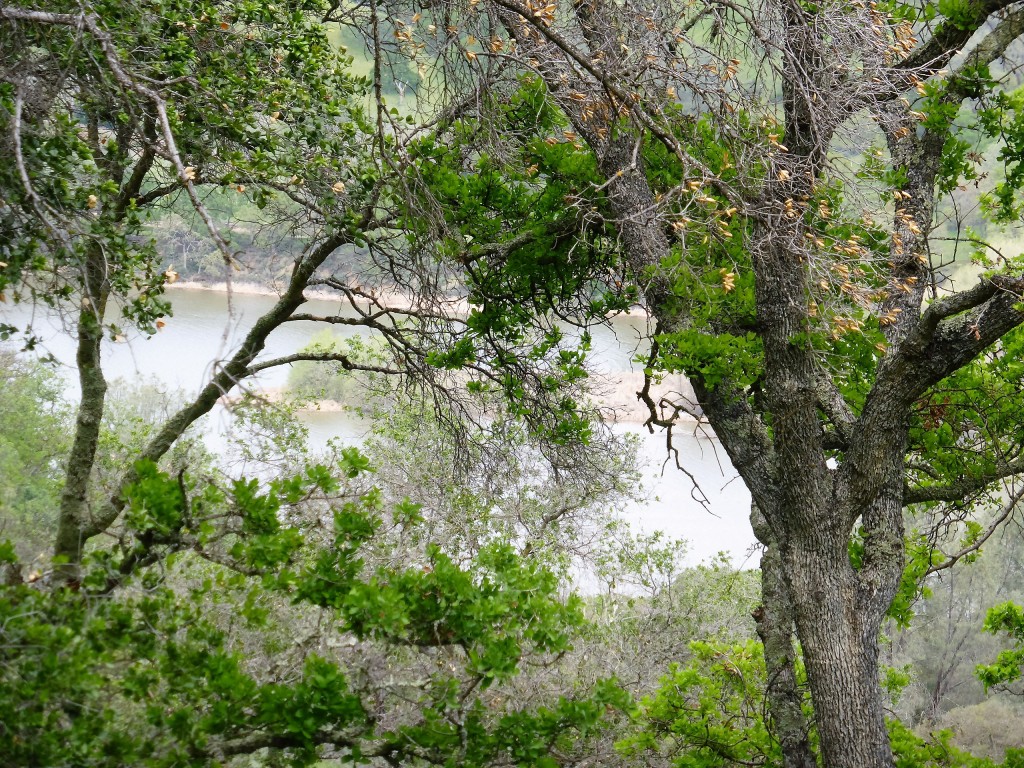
(616, 400)
(615, 393)
(394, 300)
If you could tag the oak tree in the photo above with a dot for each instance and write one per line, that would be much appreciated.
(772, 182)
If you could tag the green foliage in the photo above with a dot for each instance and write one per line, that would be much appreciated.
(146, 677)
(714, 357)
(257, 99)
(156, 504)
(895, 680)
(1007, 667)
(938, 751)
(962, 14)
(967, 421)
(999, 120)
(518, 206)
(513, 224)
(920, 557)
(34, 423)
(708, 270)
(144, 681)
(709, 713)
(901, 11)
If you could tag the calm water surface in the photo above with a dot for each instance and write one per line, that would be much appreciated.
(201, 331)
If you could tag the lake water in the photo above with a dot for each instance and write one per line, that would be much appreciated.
(201, 332)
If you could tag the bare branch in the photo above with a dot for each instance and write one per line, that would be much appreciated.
(1004, 514)
(949, 38)
(321, 357)
(744, 437)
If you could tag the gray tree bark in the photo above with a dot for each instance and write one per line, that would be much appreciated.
(775, 627)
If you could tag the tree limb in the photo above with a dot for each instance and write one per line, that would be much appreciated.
(993, 46)
(226, 378)
(962, 301)
(1004, 514)
(949, 39)
(322, 357)
(835, 407)
(962, 487)
(951, 333)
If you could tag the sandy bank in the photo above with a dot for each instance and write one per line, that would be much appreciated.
(617, 398)
(614, 393)
(458, 307)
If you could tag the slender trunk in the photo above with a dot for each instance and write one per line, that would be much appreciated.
(74, 503)
(775, 625)
(228, 376)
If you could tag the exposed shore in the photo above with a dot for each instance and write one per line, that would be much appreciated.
(616, 393)
(459, 307)
(617, 399)
(396, 301)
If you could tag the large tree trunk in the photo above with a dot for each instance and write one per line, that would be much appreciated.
(840, 648)
(838, 609)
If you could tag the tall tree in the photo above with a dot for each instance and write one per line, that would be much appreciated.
(768, 179)
(106, 109)
(110, 109)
